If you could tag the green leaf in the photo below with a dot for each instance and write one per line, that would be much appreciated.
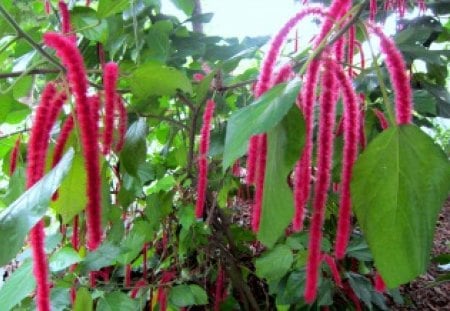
(18, 286)
(109, 7)
(187, 295)
(83, 301)
(103, 256)
(203, 87)
(284, 144)
(87, 23)
(72, 193)
(399, 185)
(132, 246)
(155, 79)
(187, 6)
(135, 149)
(64, 258)
(7, 102)
(117, 301)
(275, 263)
(361, 286)
(28, 209)
(261, 116)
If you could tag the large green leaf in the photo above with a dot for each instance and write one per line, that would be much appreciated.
(72, 193)
(109, 7)
(103, 256)
(187, 295)
(64, 258)
(399, 184)
(261, 116)
(153, 79)
(117, 301)
(284, 144)
(28, 209)
(17, 287)
(83, 301)
(135, 149)
(274, 263)
(89, 25)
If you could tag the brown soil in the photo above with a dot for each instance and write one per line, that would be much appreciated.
(424, 293)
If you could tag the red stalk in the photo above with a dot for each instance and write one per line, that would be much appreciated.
(73, 61)
(398, 75)
(13, 157)
(162, 291)
(324, 159)
(110, 76)
(75, 234)
(127, 280)
(202, 160)
(350, 152)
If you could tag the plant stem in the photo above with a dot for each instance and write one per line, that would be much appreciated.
(22, 34)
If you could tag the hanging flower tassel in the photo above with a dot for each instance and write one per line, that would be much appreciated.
(379, 285)
(324, 159)
(381, 118)
(333, 268)
(202, 160)
(123, 122)
(260, 177)
(73, 61)
(110, 76)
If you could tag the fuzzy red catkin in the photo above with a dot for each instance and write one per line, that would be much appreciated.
(73, 61)
(139, 284)
(123, 121)
(324, 159)
(351, 49)
(110, 76)
(373, 9)
(350, 152)
(283, 74)
(66, 28)
(47, 7)
(260, 177)
(37, 149)
(380, 286)
(251, 159)
(202, 160)
(14, 156)
(381, 118)
(398, 75)
(219, 288)
(66, 129)
(162, 291)
(333, 268)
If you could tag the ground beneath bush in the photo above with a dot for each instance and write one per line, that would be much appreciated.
(424, 293)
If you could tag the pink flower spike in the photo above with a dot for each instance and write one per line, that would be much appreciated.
(198, 77)
(351, 139)
(380, 286)
(373, 9)
(351, 49)
(324, 164)
(66, 28)
(251, 159)
(139, 285)
(47, 7)
(381, 118)
(285, 73)
(14, 156)
(123, 121)
(73, 61)
(110, 76)
(260, 177)
(398, 75)
(333, 267)
(206, 128)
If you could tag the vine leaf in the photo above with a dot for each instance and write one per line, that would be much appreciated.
(17, 219)
(399, 184)
(261, 116)
(284, 144)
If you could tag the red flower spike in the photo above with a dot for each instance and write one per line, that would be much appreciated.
(381, 118)
(64, 134)
(285, 73)
(198, 77)
(218, 296)
(163, 292)
(13, 157)
(40, 267)
(380, 286)
(73, 61)
(260, 177)
(47, 7)
(66, 27)
(123, 121)
(351, 139)
(251, 159)
(110, 76)
(398, 75)
(334, 270)
(324, 159)
(139, 285)
(373, 9)
(263, 83)
(202, 161)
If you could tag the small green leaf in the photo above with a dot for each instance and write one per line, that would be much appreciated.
(284, 144)
(17, 220)
(399, 184)
(187, 295)
(89, 25)
(109, 7)
(134, 151)
(83, 301)
(64, 258)
(154, 79)
(103, 256)
(275, 263)
(18, 286)
(261, 116)
(72, 193)
(117, 301)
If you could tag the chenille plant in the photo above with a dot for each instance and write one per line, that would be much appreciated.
(147, 165)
